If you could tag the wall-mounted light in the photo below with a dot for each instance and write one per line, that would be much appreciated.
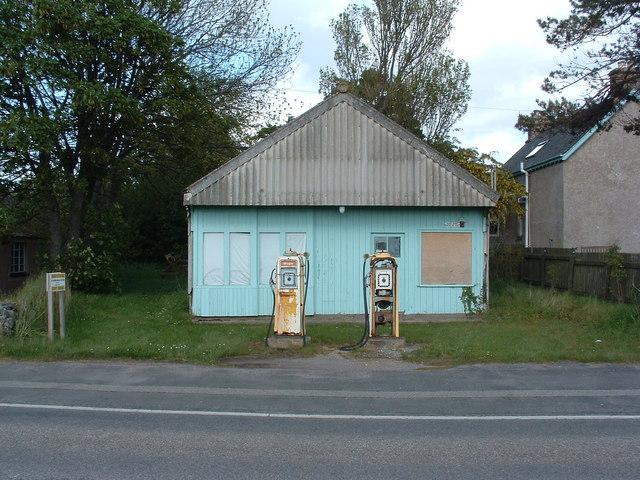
(341, 209)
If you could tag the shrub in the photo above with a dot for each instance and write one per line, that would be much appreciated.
(88, 270)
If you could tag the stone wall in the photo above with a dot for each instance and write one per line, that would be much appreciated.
(8, 318)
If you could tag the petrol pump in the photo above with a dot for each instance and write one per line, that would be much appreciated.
(289, 295)
(380, 297)
(383, 293)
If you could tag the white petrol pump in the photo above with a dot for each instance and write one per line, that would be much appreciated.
(289, 289)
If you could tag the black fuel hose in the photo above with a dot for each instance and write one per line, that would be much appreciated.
(272, 284)
(367, 321)
(304, 303)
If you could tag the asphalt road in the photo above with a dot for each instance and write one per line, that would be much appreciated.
(329, 417)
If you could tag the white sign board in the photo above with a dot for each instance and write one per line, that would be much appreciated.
(56, 282)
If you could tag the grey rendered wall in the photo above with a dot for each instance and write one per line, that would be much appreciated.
(602, 181)
(546, 207)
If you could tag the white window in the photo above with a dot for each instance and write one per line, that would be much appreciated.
(269, 249)
(387, 243)
(18, 265)
(213, 259)
(536, 149)
(239, 258)
(296, 242)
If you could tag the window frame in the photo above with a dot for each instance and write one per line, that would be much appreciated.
(18, 259)
(399, 236)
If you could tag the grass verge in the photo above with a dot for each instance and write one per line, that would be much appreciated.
(149, 320)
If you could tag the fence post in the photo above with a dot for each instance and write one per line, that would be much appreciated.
(572, 264)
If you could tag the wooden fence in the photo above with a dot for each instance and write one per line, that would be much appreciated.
(564, 269)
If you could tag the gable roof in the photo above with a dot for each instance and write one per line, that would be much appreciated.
(556, 145)
(340, 152)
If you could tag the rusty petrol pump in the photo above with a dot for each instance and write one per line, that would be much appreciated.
(383, 293)
(289, 295)
(381, 301)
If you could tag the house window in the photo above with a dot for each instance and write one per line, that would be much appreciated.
(387, 243)
(494, 227)
(18, 255)
(296, 242)
(520, 231)
(213, 259)
(269, 251)
(239, 258)
(536, 149)
(446, 258)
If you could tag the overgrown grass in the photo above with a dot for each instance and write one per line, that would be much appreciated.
(149, 320)
(530, 324)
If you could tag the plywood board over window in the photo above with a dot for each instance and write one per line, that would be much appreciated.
(446, 258)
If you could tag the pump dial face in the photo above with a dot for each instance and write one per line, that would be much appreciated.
(383, 278)
(289, 278)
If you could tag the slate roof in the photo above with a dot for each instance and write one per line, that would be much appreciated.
(341, 152)
(558, 145)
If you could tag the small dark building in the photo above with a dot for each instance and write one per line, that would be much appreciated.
(17, 260)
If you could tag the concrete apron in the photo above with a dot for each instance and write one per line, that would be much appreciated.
(335, 319)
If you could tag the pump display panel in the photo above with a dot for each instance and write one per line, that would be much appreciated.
(289, 277)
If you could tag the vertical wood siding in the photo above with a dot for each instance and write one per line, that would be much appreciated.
(336, 243)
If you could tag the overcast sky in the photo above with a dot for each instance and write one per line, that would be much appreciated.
(500, 40)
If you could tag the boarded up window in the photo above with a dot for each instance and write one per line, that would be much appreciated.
(446, 258)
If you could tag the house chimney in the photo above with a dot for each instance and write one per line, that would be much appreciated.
(539, 124)
(342, 86)
(623, 79)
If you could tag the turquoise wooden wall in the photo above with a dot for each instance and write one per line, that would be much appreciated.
(336, 242)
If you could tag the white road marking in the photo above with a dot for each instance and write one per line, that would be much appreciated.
(315, 416)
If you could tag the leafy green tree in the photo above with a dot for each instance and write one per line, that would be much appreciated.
(486, 168)
(392, 55)
(98, 94)
(603, 35)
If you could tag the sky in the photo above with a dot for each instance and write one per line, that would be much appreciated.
(506, 51)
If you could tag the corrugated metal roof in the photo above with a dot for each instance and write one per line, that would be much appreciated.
(341, 152)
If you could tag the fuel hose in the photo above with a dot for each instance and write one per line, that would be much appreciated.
(367, 322)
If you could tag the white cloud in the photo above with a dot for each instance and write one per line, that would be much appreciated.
(500, 39)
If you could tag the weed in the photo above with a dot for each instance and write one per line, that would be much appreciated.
(617, 273)
(31, 301)
(472, 303)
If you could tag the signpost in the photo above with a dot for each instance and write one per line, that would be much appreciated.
(56, 283)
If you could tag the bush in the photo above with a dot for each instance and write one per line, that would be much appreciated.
(88, 270)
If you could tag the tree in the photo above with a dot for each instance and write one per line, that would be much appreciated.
(486, 168)
(608, 68)
(95, 95)
(392, 55)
